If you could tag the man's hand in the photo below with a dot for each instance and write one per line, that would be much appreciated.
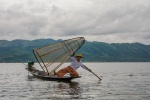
(72, 54)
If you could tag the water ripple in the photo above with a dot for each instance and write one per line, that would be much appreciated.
(118, 82)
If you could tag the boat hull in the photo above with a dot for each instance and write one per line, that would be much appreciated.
(41, 75)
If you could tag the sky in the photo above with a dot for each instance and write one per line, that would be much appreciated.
(111, 21)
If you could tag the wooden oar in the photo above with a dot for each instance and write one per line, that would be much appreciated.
(92, 72)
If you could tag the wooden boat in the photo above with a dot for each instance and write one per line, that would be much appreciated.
(42, 75)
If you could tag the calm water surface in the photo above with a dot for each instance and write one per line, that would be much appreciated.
(120, 81)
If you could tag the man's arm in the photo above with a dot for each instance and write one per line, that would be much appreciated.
(83, 66)
(72, 59)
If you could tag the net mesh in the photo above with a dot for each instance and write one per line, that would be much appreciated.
(51, 57)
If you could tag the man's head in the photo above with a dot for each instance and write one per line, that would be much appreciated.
(79, 56)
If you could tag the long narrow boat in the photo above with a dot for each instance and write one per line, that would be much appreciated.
(42, 75)
(52, 56)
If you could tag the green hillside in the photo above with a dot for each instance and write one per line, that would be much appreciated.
(21, 51)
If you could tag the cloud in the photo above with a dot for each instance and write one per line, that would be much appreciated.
(96, 20)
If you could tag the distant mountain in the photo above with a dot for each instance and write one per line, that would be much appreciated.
(21, 51)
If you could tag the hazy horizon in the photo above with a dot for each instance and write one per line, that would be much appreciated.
(69, 38)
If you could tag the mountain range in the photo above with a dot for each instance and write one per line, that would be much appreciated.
(17, 51)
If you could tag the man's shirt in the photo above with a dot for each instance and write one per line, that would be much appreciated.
(75, 64)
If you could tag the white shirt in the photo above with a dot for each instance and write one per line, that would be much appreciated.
(75, 64)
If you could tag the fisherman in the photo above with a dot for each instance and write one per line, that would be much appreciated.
(30, 65)
(75, 64)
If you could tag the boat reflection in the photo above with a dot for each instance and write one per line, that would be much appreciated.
(70, 90)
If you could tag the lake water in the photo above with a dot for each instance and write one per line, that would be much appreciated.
(120, 81)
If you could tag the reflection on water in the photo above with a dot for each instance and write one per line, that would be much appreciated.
(126, 81)
(68, 90)
(53, 89)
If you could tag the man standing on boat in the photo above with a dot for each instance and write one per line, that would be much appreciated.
(75, 64)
